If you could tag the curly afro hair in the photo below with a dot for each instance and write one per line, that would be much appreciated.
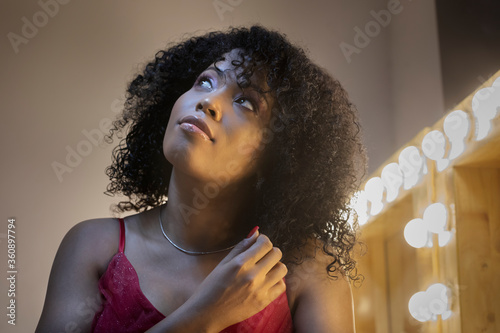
(314, 160)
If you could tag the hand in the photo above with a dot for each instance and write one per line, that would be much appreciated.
(242, 284)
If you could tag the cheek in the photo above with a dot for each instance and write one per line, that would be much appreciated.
(250, 144)
(182, 103)
(170, 139)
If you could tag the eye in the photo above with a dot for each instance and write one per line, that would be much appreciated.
(204, 81)
(246, 103)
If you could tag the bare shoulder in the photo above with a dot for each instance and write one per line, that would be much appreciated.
(94, 238)
(95, 226)
(311, 268)
(98, 229)
(72, 296)
(320, 302)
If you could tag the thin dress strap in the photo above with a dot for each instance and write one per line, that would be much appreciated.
(121, 248)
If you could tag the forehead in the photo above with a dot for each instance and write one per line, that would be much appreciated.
(235, 62)
(237, 55)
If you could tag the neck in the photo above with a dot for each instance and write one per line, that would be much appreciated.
(206, 215)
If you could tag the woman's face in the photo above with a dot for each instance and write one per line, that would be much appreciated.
(235, 119)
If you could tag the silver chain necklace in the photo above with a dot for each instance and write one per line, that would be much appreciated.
(186, 251)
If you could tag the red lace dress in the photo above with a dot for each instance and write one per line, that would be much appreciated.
(126, 310)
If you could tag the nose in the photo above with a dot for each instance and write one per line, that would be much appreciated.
(207, 106)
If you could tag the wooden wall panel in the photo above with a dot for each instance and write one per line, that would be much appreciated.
(371, 297)
(478, 238)
(403, 282)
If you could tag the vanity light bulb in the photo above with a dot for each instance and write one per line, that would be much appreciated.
(374, 189)
(392, 178)
(456, 127)
(359, 203)
(436, 216)
(416, 234)
(411, 164)
(427, 305)
(485, 105)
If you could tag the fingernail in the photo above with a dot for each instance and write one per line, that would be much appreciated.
(253, 231)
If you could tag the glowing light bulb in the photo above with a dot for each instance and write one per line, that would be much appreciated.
(444, 238)
(392, 178)
(427, 305)
(496, 83)
(418, 308)
(416, 233)
(410, 164)
(359, 203)
(433, 146)
(374, 189)
(456, 127)
(436, 217)
(485, 105)
(447, 314)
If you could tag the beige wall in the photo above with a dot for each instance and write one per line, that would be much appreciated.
(65, 79)
(416, 90)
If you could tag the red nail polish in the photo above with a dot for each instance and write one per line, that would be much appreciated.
(253, 231)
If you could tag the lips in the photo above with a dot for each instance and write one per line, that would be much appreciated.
(194, 120)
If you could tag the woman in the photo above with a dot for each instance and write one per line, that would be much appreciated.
(239, 131)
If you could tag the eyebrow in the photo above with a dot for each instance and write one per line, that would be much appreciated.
(219, 72)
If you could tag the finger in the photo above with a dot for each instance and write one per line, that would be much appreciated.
(269, 260)
(276, 274)
(241, 247)
(258, 250)
(277, 289)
